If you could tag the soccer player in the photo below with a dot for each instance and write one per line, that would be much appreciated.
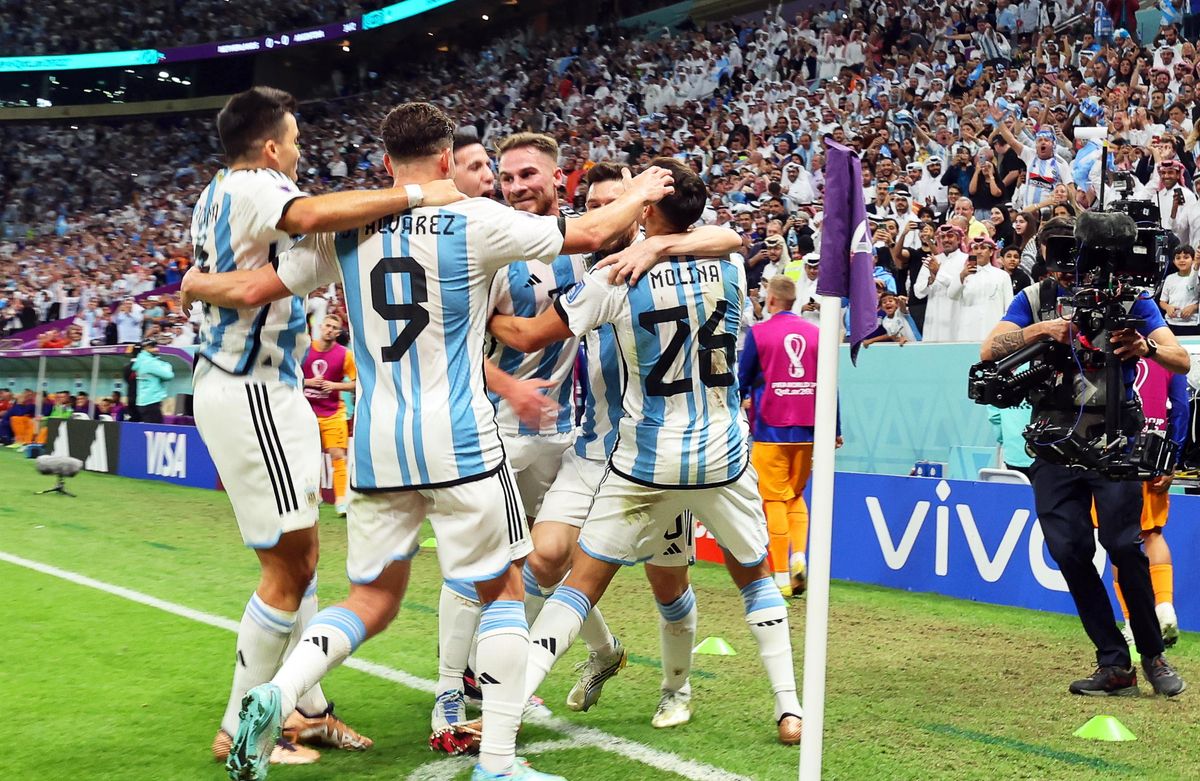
(328, 371)
(680, 446)
(570, 497)
(426, 441)
(248, 403)
(529, 177)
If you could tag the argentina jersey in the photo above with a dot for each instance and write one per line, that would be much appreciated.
(602, 380)
(526, 289)
(675, 331)
(234, 228)
(416, 287)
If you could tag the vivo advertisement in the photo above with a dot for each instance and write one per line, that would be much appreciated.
(173, 454)
(978, 541)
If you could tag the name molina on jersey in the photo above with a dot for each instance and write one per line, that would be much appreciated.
(691, 274)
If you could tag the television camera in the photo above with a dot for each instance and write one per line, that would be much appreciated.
(1082, 416)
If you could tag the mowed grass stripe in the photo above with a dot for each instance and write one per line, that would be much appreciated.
(629, 749)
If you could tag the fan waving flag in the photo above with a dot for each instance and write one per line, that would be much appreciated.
(847, 260)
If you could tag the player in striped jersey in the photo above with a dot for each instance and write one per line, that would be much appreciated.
(426, 442)
(570, 497)
(682, 444)
(249, 408)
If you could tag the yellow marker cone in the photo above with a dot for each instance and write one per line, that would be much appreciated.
(714, 646)
(1104, 728)
(429, 543)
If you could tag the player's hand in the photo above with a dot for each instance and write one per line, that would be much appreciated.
(533, 407)
(651, 185)
(1129, 344)
(185, 289)
(440, 192)
(1159, 485)
(629, 264)
(838, 442)
(1059, 329)
(313, 382)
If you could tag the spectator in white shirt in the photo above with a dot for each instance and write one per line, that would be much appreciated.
(129, 323)
(984, 290)
(1180, 297)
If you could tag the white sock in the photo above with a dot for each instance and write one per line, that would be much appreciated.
(331, 636)
(595, 634)
(262, 638)
(504, 648)
(313, 703)
(783, 579)
(677, 636)
(553, 633)
(458, 617)
(797, 558)
(766, 613)
(535, 598)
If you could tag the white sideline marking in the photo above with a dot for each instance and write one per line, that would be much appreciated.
(579, 735)
(447, 768)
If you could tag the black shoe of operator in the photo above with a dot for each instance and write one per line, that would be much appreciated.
(1108, 681)
(1162, 676)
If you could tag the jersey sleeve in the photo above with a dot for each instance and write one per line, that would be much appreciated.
(1019, 313)
(266, 196)
(310, 264)
(1148, 312)
(349, 369)
(592, 302)
(510, 235)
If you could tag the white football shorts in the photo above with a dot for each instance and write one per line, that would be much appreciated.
(630, 522)
(478, 526)
(263, 439)
(535, 460)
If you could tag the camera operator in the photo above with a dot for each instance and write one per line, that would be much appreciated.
(1063, 494)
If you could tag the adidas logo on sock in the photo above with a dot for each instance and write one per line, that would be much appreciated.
(549, 643)
(486, 678)
(771, 623)
(321, 642)
(671, 551)
(241, 658)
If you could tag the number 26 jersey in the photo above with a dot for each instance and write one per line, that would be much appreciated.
(416, 287)
(676, 332)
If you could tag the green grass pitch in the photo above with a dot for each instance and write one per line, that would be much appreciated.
(920, 687)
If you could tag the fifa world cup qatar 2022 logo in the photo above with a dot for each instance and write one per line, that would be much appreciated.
(795, 345)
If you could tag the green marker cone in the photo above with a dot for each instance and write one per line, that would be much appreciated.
(429, 543)
(714, 646)
(1104, 728)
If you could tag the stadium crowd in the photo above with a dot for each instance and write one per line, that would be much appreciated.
(60, 27)
(964, 119)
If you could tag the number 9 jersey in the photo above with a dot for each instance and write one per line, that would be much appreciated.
(416, 287)
(676, 334)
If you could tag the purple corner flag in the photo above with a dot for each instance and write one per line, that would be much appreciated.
(847, 262)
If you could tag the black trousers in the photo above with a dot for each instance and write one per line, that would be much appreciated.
(152, 413)
(1063, 497)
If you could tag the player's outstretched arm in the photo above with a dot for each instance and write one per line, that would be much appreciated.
(707, 241)
(232, 289)
(529, 334)
(598, 227)
(354, 208)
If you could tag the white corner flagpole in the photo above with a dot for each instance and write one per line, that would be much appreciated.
(820, 539)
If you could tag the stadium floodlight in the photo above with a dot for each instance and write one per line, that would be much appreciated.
(485, 17)
(164, 75)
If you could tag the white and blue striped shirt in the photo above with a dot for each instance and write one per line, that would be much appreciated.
(526, 289)
(416, 287)
(602, 380)
(675, 331)
(234, 228)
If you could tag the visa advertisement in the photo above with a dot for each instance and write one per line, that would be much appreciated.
(172, 454)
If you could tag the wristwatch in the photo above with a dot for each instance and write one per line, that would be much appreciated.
(1151, 348)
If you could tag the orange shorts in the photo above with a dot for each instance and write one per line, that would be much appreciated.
(334, 431)
(783, 469)
(1154, 509)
